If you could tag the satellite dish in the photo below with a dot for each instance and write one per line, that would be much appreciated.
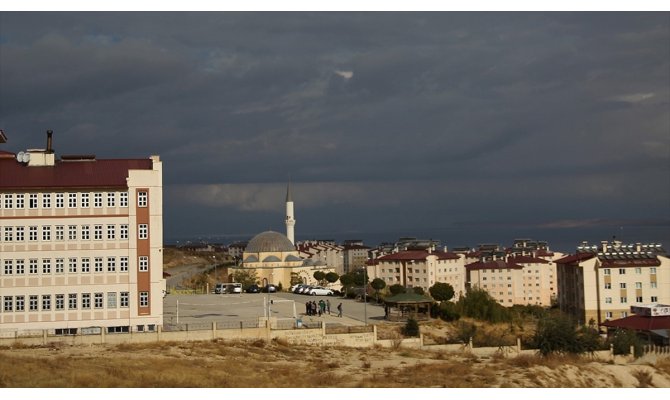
(26, 157)
(19, 157)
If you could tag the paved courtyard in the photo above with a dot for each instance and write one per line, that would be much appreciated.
(202, 310)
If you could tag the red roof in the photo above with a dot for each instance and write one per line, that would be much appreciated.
(355, 247)
(527, 260)
(640, 323)
(575, 257)
(418, 255)
(644, 262)
(71, 174)
(498, 264)
(544, 253)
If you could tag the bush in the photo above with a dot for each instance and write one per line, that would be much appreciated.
(411, 328)
(441, 291)
(465, 331)
(448, 312)
(396, 289)
(418, 290)
(623, 339)
(479, 304)
(557, 334)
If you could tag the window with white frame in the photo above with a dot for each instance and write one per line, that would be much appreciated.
(654, 299)
(124, 299)
(9, 267)
(142, 199)
(111, 199)
(123, 264)
(85, 264)
(607, 271)
(638, 271)
(622, 271)
(59, 232)
(46, 233)
(623, 300)
(9, 233)
(72, 265)
(97, 200)
(32, 201)
(638, 285)
(46, 302)
(98, 300)
(85, 200)
(46, 266)
(72, 232)
(638, 299)
(60, 200)
(123, 199)
(97, 232)
(72, 301)
(20, 303)
(622, 285)
(652, 270)
(143, 263)
(85, 232)
(111, 232)
(97, 262)
(85, 301)
(32, 266)
(111, 300)
(60, 265)
(608, 300)
(32, 233)
(111, 264)
(143, 231)
(20, 201)
(20, 233)
(20, 267)
(46, 200)
(72, 200)
(60, 302)
(8, 303)
(144, 299)
(123, 231)
(9, 201)
(653, 285)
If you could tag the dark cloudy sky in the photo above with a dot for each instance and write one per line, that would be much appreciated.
(457, 126)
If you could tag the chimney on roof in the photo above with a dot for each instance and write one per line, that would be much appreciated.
(49, 139)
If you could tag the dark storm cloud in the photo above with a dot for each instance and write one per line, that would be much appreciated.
(429, 118)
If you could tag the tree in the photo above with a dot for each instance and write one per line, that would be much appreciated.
(378, 284)
(319, 276)
(478, 304)
(557, 334)
(396, 289)
(411, 328)
(332, 277)
(347, 281)
(246, 277)
(441, 291)
(418, 290)
(465, 331)
(623, 339)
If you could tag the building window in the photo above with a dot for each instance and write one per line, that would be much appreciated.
(85, 232)
(624, 314)
(111, 232)
(72, 232)
(72, 301)
(608, 285)
(144, 299)
(123, 199)
(60, 302)
(123, 264)
(111, 300)
(59, 265)
(143, 230)
(20, 303)
(20, 233)
(142, 199)
(85, 200)
(46, 200)
(86, 264)
(20, 267)
(8, 303)
(32, 266)
(9, 233)
(144, 263)
(125, 299)
(652, 285)
(59, 232)
(46, 266)
(9, 200)
(123, 231)
(622, 271)
(608, 314)
(98, 297)
(608, 300)
(622, 285)
(60, 200)
(654, 299)
(97, 200)
(32, 202)
(638, 271)
(85, 301)
(72, 200)
(20, 201)
(46, 233)
(638, 299)
(607, 271)
(111, 264)
(638, 285)
(98, 264)
(72, 265)
(652, 270)
(624, 300)
(46, 302)
(111, 199)
(32, 233)
(97, 232)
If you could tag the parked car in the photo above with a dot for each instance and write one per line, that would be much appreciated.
(294, 287)
(299, 289)
(320, 291)
(305, 290)
(253, 289)
(269, 289)
(220, 288)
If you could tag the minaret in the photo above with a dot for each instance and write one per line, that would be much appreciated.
(290, 221)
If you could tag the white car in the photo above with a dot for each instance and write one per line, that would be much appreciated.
(320, 291)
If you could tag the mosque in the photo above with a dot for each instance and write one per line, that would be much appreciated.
(275, 257)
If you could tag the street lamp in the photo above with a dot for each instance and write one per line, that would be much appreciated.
(365, 294)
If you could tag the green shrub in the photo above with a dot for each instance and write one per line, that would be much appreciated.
(411, 328)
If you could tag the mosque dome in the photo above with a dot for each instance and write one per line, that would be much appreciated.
(269, 241)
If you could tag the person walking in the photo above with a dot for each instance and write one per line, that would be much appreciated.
(328, 306)
(308, 308)
(339, 310)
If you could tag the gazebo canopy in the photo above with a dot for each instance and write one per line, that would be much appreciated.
(408, 298)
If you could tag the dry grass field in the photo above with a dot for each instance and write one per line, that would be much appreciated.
(240, 364)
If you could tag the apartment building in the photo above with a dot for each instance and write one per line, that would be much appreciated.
(325, 252)
(602, 282)
(80, 243)
(355, 255)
